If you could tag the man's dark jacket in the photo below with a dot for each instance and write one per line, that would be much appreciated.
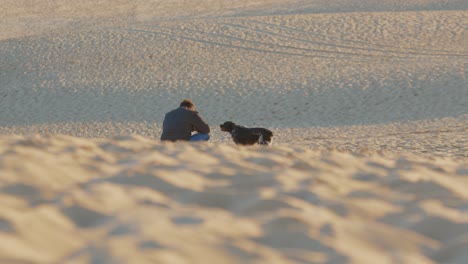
(179, 123)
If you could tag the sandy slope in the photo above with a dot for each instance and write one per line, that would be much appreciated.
(367, 100)
(299, 71)
(132, 200)
(30, 17)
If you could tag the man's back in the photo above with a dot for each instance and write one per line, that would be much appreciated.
(179, 123)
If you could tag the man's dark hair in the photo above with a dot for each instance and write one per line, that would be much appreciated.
(187, 103)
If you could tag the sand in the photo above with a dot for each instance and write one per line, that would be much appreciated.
(368, 102)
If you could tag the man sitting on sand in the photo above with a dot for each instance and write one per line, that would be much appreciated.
(181, 122)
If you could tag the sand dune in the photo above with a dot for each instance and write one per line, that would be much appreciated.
(29, 17)
(133, 200)
(367, 101)
(301, 71)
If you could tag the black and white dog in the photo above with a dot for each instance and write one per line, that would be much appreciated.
(248, 136)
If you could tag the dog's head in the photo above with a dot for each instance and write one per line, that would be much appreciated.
(228, 126)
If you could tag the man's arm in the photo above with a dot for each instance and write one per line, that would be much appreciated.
(199, 124)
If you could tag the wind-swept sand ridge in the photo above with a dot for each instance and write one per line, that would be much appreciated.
(133, 200)
(367, 100)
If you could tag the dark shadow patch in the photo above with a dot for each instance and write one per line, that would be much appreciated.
(209, 199)
(6, 226)
(299, 241)
(153, 203)
(95, 254)
(363, 195)
(262, 207)
(29, 193)
(445, 230)
(150, 244)
(453, 252)
(307, 196)
(378, 165)
(327, 230)
(187, 220)
(122, 230)
(365, 176)
(102, 255)
(23, 191)
(241, 253)
(338, 209)
(85, 218)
